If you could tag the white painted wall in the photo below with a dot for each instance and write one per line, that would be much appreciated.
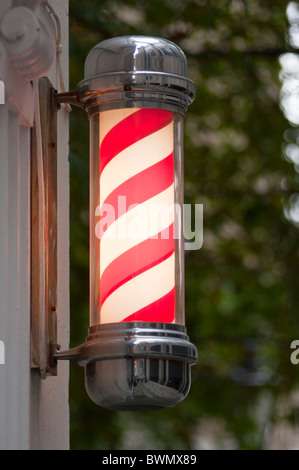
(33, 412)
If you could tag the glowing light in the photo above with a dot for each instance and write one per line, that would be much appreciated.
(135, 268)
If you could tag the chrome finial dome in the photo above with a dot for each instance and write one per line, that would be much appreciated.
(137, 71)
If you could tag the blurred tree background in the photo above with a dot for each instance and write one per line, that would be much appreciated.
(242, 164)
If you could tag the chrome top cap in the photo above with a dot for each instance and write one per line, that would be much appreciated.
(136, 54)
(136, 71)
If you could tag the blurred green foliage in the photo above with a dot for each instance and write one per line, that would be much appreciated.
(242, 285)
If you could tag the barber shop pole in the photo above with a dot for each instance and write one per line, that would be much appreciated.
(137, 355)
(136, 244)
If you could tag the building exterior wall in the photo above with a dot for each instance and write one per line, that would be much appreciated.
(33, 412)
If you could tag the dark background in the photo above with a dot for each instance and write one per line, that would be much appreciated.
(242, 285)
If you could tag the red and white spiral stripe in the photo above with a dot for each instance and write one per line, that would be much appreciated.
(136, 274)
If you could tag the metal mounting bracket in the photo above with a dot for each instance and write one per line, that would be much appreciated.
(69, 97)
(44, 228)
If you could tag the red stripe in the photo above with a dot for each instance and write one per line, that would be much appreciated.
(141, 187)
(135, 261)
(162, 310)
(130, 130)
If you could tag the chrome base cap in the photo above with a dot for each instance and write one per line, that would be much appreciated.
(150, 367)
(137, 384)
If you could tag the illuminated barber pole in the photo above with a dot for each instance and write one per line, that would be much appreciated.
(137, 355)
(136, 271)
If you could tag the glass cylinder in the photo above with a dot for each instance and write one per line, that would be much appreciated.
(136, 216)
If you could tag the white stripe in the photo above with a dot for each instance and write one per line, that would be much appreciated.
(137, 225)
(139, 292)
(109, 119)
(136, 158)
